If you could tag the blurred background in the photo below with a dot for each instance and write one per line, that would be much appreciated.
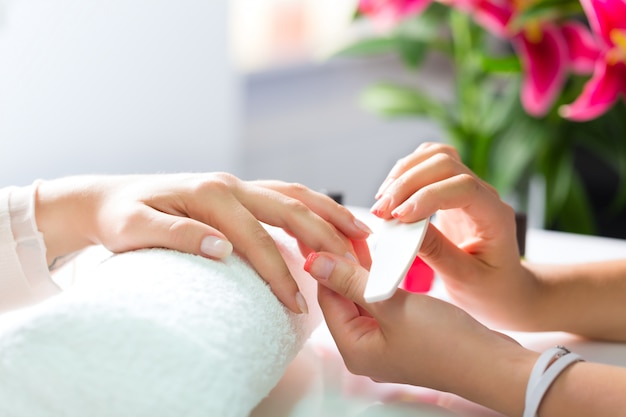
(245, 86)
(158, 86)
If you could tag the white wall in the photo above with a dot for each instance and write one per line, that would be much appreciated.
(305, 125)
(115, 86)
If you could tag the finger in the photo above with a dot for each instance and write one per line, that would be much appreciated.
(443, 256)
(255, 244)
(221, 209)
(430, 171)
(155, 229)
(422, 153)
(308, 227)
(463, 191)
(324, 206)
(362, 253)
(346, 278)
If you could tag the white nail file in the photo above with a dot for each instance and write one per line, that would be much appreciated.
(395, 249)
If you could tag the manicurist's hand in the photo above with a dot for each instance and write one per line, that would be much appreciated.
(419, 340)
(203, 214)
(473, 248)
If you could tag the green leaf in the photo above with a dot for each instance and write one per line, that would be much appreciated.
(546, 10)
(559, 173)
(508, 64)
(500, 106)
(395, 100)
(369, 46)
(515, 153)
(412, 52)
(576, 214)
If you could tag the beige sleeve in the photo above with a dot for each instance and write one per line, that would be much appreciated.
(24, 276)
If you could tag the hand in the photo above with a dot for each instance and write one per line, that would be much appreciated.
(474, 247)
(204, 214)
(419, 340)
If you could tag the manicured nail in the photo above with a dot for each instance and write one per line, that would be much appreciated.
(362, 226)
(320, 267)
(304, 308)
(402, 210)
(383, 187)
(350, 257)
(381, 205)
(215, 247)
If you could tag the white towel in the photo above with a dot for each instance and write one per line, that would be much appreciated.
(154, 333)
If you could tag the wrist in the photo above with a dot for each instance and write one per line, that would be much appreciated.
(62, 214)
(497, 365)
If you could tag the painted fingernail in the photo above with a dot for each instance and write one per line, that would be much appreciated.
(304, 308)
(320, 267)
(350, 257)
(216, 247)
(381, 205)
(362, 226)
(402, 210)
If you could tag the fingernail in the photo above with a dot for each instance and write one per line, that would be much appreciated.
(381, 205)
(216, 247)
(304, 308)
(320, 267)
(383, 187)
(402, 210)
(362, 226)
(350, 257)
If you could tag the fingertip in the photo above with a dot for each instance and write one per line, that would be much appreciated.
(320, 267)
(216, 247)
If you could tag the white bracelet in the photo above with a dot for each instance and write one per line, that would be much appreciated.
(547, 368)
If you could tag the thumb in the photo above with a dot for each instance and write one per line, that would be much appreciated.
(443, 256)
(183, 234)
(338, 274)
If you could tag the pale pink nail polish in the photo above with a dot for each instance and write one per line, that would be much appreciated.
(304, 308)
(362, 226)
(215, 247)
(381, 205)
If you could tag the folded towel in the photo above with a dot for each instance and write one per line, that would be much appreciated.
(154, 333)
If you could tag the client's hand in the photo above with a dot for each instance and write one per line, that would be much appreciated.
(419, 340)
(474, 247)
(204, 214)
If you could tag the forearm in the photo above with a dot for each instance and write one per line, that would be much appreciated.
(584, 299)
(587, 389)
(497, 375)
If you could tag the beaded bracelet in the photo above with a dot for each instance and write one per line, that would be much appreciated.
(548, 367)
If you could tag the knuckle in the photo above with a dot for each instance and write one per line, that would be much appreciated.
(296, 207)
(298, 188)
(178, 232)
(219, 182)
(127, 223)
(348, 280)
(262, 241)
(446, 163)
(470, 182)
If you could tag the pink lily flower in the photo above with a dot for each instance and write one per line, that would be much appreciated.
(608, 82)
(547, 51)
(388, 12)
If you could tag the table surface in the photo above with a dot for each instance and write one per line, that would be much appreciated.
(317, 383)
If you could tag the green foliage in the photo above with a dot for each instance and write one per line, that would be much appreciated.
(496, 138)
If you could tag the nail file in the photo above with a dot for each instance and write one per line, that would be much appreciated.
(395, 249)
